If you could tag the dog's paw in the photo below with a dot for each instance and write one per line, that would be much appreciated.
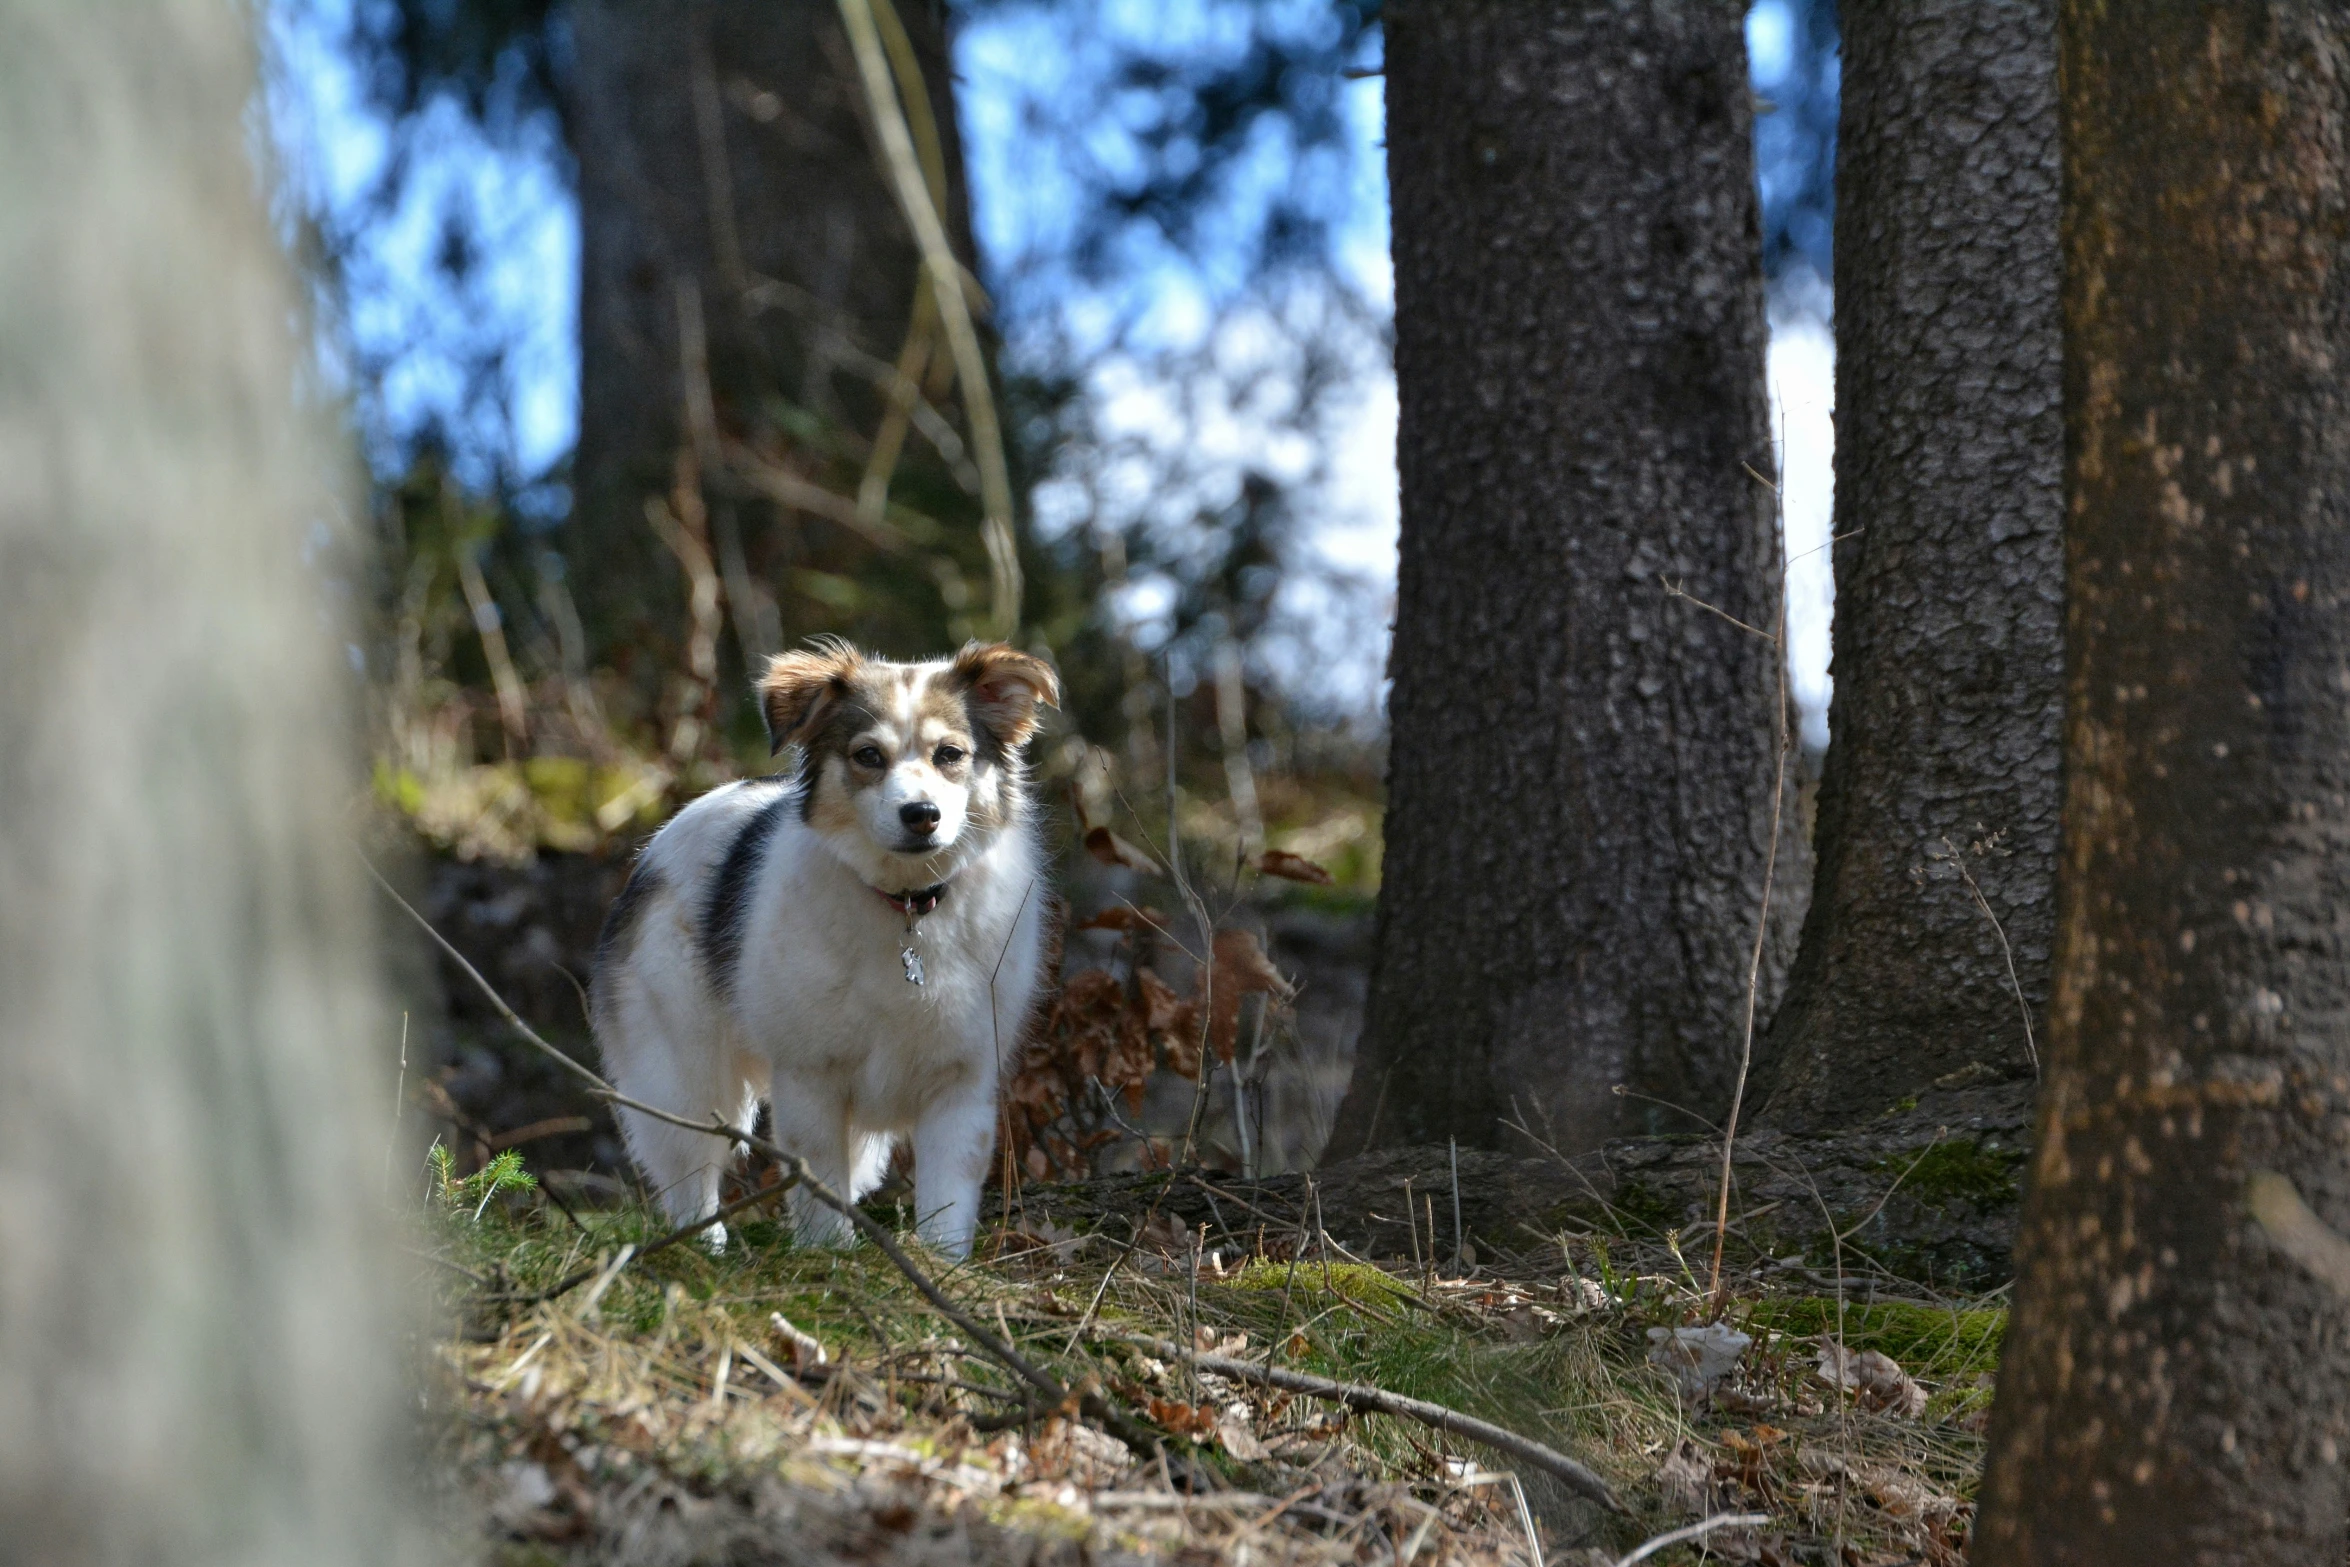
(953, 1242)
(713, 1240)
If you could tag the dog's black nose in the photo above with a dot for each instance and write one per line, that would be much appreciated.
(920, 815)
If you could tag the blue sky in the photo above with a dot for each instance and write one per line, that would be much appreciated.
(399, 349)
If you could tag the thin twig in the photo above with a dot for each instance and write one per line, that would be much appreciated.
(1762, 924)
(2031, 1043)
(787, 488)
(1143, 1441)
(1703, 1526)
(683, 1232)
(1675, 590)
(454, 1267)
(946, 276)
(530, 1035)
(758, 626)
(399, 1104)
(1378, 1401)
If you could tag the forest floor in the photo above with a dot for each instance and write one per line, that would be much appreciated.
(787, 1406)
(783, 1405)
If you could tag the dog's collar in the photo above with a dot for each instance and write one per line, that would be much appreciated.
(915, 904)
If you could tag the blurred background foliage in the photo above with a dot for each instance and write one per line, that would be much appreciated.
(1176, 214)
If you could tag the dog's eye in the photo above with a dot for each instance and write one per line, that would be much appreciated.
(948, 755)
(869, 756)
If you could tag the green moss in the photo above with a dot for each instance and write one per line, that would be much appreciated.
(1357, 1280)
(1959, 1169)
(1951, 1345)
(399, 788)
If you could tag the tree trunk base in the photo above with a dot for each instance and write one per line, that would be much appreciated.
(1926, 1195)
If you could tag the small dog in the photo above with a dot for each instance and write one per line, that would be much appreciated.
(858, 944)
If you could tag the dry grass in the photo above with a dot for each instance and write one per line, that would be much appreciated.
(669, 1419)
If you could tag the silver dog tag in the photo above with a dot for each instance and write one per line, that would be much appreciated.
(908, 956)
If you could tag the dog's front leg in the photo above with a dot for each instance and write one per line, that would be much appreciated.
(952, 1142)
(810, 1122)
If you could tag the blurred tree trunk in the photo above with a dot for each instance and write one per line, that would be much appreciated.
(1949, 579)
(1581, 773)
(2174, 1386)
(195, 1322)
(729, 167)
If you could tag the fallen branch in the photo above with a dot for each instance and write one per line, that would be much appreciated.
(1378, 1401)
(1703, 1526)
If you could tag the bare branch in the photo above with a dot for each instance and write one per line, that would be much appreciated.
(1378, 1401)
(1675, 590)
(1703, 1526)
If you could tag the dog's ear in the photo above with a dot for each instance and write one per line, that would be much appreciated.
(800, 688)
(1005, 685)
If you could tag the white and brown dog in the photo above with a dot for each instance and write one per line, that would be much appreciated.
(858, 943)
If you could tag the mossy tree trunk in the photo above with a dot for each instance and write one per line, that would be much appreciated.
(1581, 778)
(196, 1318)
(1941, 773)
(2176, 1386)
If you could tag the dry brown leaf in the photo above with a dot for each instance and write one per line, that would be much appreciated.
(1239, 968)
(1183, 1419)
(1877, 1379)
(1699, 1358)
(1107, 847)
(1170, 1021)
(1234, 1431)
(1292, 867)
(1163, 1011)
(1686, 1480)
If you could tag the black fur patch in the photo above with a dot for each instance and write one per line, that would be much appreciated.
(983, 739)
(620, 925)
(728, 910)
(847, 719)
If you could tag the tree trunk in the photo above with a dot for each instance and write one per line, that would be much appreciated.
(1941, 776)
(1581, 774)
(727, 153)
(195, 1322)
(2175, 1387)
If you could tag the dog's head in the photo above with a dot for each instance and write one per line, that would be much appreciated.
(906, 769)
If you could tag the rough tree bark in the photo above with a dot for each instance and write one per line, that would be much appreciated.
(2175, 1386)
(1949, 580)
(194, 1346)
(1579, 796)
(726, 148)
